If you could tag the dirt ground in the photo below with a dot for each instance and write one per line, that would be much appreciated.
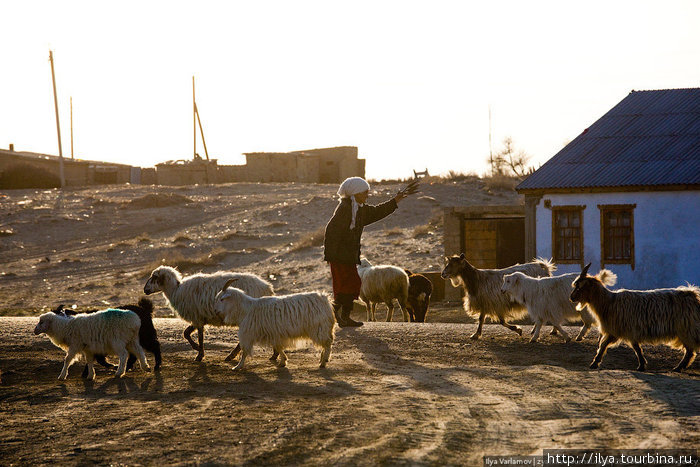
(95, 247)
(393, 394)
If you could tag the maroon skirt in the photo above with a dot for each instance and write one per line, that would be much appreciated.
(346, 280)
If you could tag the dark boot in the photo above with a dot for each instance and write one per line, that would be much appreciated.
(336, 311)
(347, 306)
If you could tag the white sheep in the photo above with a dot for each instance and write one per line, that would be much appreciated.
(383, 284)
(192, 297)
(659, 316)
(107, 332)
(482, 287)
(280, 322)
(547, 300)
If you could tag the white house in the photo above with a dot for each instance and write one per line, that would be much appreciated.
(625, 194)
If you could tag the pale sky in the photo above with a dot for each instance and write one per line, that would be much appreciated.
(409, 83)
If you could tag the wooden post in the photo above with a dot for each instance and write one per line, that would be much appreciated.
(194, 120)
(201, 131)
(71, 127)
(58, 124)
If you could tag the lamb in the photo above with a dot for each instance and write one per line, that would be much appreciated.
(482, 289)
(148, 338)
(419, 290)
(547, 300)
(383, 284)
(279, 322)
(107, 332)
(192, 298)
(659, 316)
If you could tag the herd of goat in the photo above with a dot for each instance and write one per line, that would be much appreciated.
(661, 316)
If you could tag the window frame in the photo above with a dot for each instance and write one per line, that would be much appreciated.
(555, 210)
(604, 209)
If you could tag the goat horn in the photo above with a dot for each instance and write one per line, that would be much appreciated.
(584, 271)
(228, 283)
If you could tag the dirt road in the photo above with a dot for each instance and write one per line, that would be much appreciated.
(393, 394)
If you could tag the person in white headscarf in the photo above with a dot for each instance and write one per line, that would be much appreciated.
(341, 243)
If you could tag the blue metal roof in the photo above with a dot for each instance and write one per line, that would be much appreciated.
(649, 138)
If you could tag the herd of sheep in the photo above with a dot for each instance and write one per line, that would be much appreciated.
(280, 322)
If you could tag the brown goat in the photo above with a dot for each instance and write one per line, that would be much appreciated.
(659, 316)
(482, 287)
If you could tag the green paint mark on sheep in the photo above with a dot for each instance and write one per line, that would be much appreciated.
(113, 313)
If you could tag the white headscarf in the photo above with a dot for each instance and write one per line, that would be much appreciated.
(350, 187)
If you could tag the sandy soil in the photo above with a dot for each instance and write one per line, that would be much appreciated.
(95, 247)
(393, 393)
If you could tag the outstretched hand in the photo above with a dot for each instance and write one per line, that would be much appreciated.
(409, 189)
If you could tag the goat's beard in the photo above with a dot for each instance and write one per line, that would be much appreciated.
(580, 306)
(456, 281)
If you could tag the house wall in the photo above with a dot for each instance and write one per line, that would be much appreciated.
(76, 173)
(231, 173)
(179, 174)
(283, 168)
(148, 176)
(308, 169)
(666, 236)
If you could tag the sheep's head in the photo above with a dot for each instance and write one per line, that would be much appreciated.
(225, 300)
(161, 278)
(511, 283)
(44, 324)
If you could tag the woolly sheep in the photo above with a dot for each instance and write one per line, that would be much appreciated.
(192, 297)
(547, 300)
(419, 291)
(659, 316)
(279, 322)
(483, 296)
(383, 283)
(148, 338)
(107, 332)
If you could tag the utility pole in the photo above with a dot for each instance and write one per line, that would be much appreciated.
(198, 120)
(204, 143)
(71, 127)
(58, 124)
(194, 120)
(490, 150)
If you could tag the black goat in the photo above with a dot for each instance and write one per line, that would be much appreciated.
(419, 290)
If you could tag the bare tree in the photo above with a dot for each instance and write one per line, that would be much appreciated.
(509, 161)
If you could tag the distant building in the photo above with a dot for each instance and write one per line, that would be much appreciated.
(625, 194)
(187, 172)
(328, 165)
(77, 172)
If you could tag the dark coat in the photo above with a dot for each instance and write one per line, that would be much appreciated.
(341, 244)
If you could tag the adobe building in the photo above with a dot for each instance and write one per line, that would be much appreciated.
(77, 172)
(187, 172)
(328, 165)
